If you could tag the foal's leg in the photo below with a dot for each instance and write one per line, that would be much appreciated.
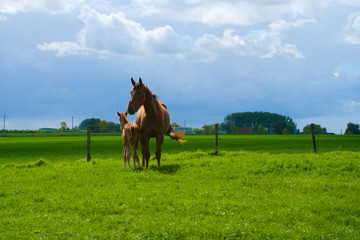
(124, 146)
(128, 155)
(135, 157)
(159, 142)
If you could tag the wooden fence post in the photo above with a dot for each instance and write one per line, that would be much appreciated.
(88, 143)
(216, 138)
(313, 136)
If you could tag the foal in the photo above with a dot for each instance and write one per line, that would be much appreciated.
(130, 136)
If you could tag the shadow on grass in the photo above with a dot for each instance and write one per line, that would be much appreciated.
(166, 169)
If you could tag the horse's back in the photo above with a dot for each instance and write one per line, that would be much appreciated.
(131, 132)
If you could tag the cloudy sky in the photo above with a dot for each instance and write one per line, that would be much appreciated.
(205, 59)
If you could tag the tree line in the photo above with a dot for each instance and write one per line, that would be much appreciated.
(258, 123)
(234, 123)
(100, 126)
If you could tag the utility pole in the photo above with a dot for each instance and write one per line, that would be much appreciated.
(72, 125)
(4, 123)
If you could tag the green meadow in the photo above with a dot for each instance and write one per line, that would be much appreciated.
(258, 187)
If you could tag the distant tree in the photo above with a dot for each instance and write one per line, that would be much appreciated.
(198, 131)
(261, 130)
(323, 130)
(352, 128)
(98, 125)
(63, 126)
(285, 131)
(103, 125)
(174, 124)
(245, 130)
(279, 128)
(317, 129)
(255, 119)
(113, 127)
(234, 129)
(207, 129)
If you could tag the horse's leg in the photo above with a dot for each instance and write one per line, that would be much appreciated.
(159, 142)
(128, 155)
(144, 141)
(134, 147)
(136, 158)
(124, 155)
(147, 156)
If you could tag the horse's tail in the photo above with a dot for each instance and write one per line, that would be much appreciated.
(176, 135)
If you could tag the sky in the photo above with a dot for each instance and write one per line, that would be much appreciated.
(205, 59)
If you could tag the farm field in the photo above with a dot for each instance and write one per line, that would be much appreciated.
(259, 187)
(72, 148)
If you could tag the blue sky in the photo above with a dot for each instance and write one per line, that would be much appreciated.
(205, 59)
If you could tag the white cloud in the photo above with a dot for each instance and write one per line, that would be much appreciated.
(115, 34)
(266, 43)
(51, 6)
(150, 7)
(246, 12)
(352, 29)
(64, 48)
(352, 104)
(350, 2)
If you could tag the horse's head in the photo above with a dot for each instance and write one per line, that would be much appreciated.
(139, 94)
(122, 118)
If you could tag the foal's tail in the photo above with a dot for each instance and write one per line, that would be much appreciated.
(176, 135)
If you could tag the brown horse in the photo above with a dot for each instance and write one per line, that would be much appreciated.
(152, 118)
(130, 138)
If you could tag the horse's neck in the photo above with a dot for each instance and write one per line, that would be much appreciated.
(150, 108)
(123, 123)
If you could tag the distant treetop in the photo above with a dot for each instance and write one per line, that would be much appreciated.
(270, 122)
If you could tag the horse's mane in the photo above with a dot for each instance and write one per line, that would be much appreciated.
(150, 96)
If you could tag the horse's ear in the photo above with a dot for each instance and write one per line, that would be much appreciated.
(118, 113)
(126, 113)
(133, 82)
(140, 81)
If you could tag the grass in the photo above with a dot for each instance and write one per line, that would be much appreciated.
(72, 148)
(256, 188)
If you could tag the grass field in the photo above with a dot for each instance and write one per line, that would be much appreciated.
(259, 187)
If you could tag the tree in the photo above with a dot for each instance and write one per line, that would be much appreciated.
(174, 124)
(198, 130)
(99, 126)
(93, 122)
(285, 131)
(279, 128)
(261, 130)
(352, 128)
(317, 129)
(234, 129)
(103, 125)
(63, 126)
(207, 129)
(245, 130)
(255, 119)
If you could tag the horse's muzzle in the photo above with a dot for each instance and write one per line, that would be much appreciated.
(131, 109)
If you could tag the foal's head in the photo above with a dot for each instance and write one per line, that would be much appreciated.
(139, 94)
(122, 118)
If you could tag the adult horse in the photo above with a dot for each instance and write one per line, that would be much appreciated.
(152, 118)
